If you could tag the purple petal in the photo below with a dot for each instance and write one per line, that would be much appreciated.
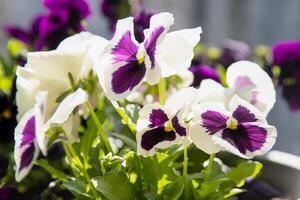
(125, 50)
(127, 77)
(157, 118)
(213, 121)
(242, 115)
(55, 21)
(246, 137)
(286, 52)
(154, 136)
(17, 33)
(243, 81)
(141, 22)
(150, 44)
(177, 126)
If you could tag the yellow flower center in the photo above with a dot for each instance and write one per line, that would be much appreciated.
(169, 126)
(140, 56)
(232, 124)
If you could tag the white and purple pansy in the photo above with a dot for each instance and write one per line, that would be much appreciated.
(125, 64)
(243, 130)
(160, 127)
(245, 79)
(31, 133)
(26, 149)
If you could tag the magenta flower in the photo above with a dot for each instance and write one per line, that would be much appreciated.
(201, 72)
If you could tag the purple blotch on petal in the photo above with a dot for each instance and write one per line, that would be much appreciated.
(127, 77)
(125, 50)
(28, 133)
(243, 114)
(154, 136)
(157, 118)
(246, 137)
(150, 44)
(27, 156)
(213, 121)
(243, 82)
(177, 126)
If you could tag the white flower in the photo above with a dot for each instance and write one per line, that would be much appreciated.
(245, 79)
(242, 130)
(126, 64)
(50, 71)
(159, 127)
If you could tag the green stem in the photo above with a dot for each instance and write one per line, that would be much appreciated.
(78, 162)
(99, 126)
(161, 91)
(185, 162)
(209, 166)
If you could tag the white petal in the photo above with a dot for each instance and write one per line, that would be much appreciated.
(153, 75)
(202, 140)
(262, 84)
(164, 19)
(211, 90)
(183, 97)
(67, 106)
(176, 51)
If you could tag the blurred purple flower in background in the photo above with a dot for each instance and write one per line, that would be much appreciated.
(286, 55)
(233, 51)
(117, 9)
(9, 193)
(64, 18)
(202, 72)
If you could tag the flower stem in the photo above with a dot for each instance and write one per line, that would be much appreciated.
(209, 166)
(69, 148)
(185, 161)
(99, 127)
(161, 91)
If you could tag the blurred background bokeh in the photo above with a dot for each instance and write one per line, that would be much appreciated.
(255, 22)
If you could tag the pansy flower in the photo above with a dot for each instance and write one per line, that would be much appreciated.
(242, 129)
(31, 135)
(160, 127)
(126, 64)
(201, 72)
(245, 79)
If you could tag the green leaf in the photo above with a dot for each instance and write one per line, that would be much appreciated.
(244, 170)
(174, 190)
(78, 188)
(87, 139)
(51, 170)
(115, 187)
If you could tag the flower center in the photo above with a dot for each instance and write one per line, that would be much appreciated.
(140, 56)
(232, 123)
(169, 126)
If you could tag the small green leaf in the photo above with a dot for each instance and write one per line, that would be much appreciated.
(78, 188)
(244, 170)
(115, 187)
(174, 190)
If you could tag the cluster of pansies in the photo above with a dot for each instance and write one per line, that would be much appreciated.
(87, 74)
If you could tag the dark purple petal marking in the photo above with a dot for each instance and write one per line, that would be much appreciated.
(243, 114)
(127, 77)
(177, 126)
(157, 118)
(27, 143)
(213, 121)
(154, 136)
(27, 156)
(150, 44)
(246, 137)
(125, 50)
(28, 134)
